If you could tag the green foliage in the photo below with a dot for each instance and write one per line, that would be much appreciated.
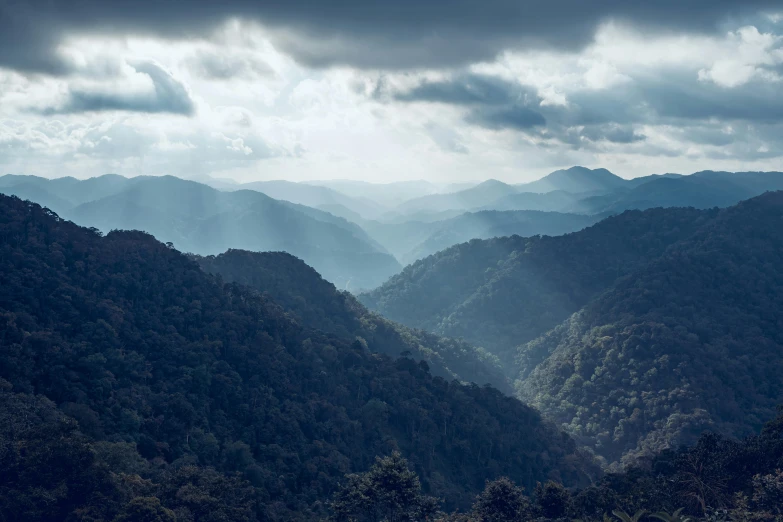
(388, 492)
(674, 517)
(502, 292)
(145, 509)
(119, 343)
(658, 487)
(551, 499)
(625, 517)
(501, 501)
(319, 305)
(492, 223)
(691, 341)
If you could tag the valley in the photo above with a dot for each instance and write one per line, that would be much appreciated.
(164, 331)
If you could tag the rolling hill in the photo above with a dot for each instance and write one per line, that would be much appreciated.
(315, 196)
(474, 197)
(501, 292)
(688, 342)
(488, 224)
(575, 180)
(319, 305)
(636, 334)
(131, 381)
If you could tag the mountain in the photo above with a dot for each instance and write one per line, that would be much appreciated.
(488, 224)
(692, 340)
(700, 190)
(341, 211)
(705, 189)
(203, 220)
(420, 216)
(314, 196)
(636, 334)
(641, 180)
(502, 292)
(317, 303)
(554, 201)
(69, 191)
(574, 180)
(478, 196)
(496, 195)
(135, 386)
(390, 194)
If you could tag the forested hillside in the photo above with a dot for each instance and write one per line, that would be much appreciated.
(488, 224)
(319, 305)
(502, 292)
(692, 340)
(133, 385)
(675, 326)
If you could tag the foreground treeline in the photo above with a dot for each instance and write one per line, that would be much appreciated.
(52, 471)
(717, 479)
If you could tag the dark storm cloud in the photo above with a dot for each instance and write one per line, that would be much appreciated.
(405, 33)
(467, 89)
(168, 96)
(697, 110)
(514, 117)
(673, 95)
(612, 133)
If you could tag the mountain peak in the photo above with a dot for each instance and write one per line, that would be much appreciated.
(576, 179)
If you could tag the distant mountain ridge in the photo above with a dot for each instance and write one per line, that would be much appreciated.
(575, 180)
(200, 219)
(596, 191)
(314, 196)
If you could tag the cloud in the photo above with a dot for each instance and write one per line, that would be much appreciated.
(586, 116)
(465, 89)
(217, 65)
(446, 139)
(167, 95)
(406, 33)
(513, 117)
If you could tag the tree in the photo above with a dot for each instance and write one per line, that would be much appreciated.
(388, 492)
(145, 509)
(551, 499)
(501, 501)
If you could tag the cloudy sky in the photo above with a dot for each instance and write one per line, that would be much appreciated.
(440, 90)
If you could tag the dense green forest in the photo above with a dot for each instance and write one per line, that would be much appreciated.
(636, 334)
(692, 340)
(319, 305)
(715, 480)
(134, 386)
(502, 292)
(492, 223)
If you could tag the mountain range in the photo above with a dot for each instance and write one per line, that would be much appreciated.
(234, 382)
(199, 219)
(358, 234)
(130, 379)
(636, 334)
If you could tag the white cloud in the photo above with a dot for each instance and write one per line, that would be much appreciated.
(259, 114)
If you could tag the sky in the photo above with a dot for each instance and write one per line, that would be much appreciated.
(447, 91)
